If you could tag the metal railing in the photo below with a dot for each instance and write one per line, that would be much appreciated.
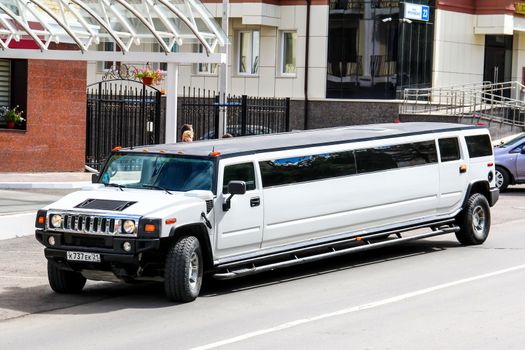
(246, 115)
(498, 102)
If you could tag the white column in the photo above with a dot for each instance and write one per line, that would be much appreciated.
(368, 37)
(171, 102)
(223, 71)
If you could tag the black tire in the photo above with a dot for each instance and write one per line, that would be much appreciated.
(474, 221)
(183, 270)
(63, 281)
(502, 179)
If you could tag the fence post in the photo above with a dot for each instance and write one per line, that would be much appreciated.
(287, 114)
(244, 112)
(217, 116)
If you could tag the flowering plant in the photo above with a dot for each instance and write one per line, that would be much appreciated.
(13, 115)
(156, 75)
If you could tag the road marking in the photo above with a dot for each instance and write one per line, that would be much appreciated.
(23, 277)
(353, 309)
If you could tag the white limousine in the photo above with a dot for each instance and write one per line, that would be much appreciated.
(240, 206)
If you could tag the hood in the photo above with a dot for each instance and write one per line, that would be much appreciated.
(127, 201)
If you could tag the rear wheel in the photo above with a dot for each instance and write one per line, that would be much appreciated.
(63, 281)
(183, 270)
(474, 221)
(502, 179)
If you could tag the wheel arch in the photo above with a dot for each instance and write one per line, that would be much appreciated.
(200, 231)
(481, 187)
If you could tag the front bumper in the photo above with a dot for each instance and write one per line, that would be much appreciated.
(110, 249)
(494, 196)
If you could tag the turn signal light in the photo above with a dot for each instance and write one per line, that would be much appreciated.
(149, 228)
(169, 221)
(41, 220)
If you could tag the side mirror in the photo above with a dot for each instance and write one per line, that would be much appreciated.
(523, 149)
(234, 187)
(94, 178)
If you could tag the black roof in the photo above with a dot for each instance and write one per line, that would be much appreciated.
(294, 139)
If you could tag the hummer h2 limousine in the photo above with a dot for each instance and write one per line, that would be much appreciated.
(240, 206)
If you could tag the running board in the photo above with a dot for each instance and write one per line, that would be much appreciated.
(334, 253)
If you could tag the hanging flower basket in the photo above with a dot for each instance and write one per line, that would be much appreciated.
(149, 77)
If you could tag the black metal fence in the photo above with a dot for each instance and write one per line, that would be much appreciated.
(121, 113)
(245, 115)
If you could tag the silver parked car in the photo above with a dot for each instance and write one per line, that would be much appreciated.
(510, 162)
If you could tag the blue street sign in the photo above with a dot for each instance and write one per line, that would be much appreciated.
(425, 13)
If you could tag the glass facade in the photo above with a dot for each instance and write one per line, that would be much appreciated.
(374, 51)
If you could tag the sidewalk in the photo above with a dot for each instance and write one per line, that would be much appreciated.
(44, 180)
(21, 194)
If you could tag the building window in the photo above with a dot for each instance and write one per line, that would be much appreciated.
(249, 53)
(205, 68)
(288, 50)
(110, 46)
(373, 52)
(13, 90)
(163, 66)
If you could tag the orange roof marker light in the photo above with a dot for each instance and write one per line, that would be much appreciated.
(397, 121)
(215, 154)
(116, 148)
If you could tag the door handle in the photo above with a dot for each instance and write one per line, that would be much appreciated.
(462, 168)
(255, 202)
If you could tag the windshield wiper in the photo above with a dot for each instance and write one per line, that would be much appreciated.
(157, 188)
(120, 187)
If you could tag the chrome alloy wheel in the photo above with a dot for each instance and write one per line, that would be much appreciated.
(479, 221)
(499, 179)
(193, 271)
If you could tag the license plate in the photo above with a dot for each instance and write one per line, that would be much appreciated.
(81, 256)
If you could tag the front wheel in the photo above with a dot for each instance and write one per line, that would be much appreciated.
(474, 221)
(183, 270)
(63, 281)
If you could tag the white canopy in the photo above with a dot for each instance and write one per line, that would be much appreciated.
(127, 23)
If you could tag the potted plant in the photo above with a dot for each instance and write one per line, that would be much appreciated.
(12, 117)
(149, 76)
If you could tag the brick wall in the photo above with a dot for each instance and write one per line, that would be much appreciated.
(331, 113)
(56, 121)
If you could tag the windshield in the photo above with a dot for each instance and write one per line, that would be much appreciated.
(158, 171)
(512, 141)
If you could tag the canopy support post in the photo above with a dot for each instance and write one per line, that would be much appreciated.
(171, 102)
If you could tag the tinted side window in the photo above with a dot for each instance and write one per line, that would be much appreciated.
(307, 168)
(239, 172)
(479, 146)
(449, 149)
(397, 156)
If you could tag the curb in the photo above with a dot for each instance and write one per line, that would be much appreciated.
(17, 225)
(42, 185)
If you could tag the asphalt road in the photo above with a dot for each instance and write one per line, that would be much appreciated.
(430, 294)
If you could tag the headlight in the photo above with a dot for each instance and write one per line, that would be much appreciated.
(56, 220)
(128, 226)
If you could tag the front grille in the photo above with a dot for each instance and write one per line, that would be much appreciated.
(92, 224)
(88, 224)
